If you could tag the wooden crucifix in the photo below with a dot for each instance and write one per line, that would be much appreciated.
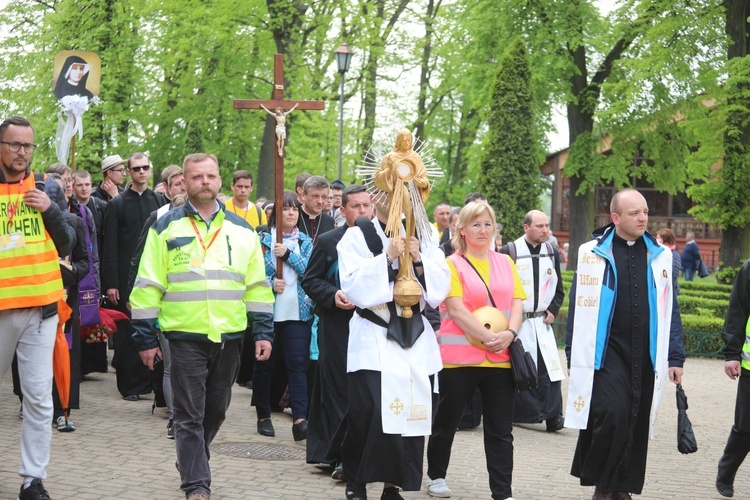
(279, 109)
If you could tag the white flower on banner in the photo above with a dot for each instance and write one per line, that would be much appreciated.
(72, 107)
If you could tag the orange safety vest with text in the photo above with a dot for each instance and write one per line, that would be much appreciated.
(29, 266)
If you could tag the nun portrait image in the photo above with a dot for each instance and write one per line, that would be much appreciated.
(73, 77)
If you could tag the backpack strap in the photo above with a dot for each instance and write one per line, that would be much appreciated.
(512, 250)
(39, 178)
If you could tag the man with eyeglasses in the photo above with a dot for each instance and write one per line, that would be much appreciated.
(33, 232)
(313, 221)
(113, 171)
(124, 219)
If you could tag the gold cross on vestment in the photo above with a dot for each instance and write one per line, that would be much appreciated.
(579, 404)
(397, 406)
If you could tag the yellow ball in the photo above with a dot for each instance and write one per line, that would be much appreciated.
(492, 319)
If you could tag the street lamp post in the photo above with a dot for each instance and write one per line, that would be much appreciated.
(343, 60)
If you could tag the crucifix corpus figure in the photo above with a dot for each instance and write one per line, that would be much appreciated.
(280, 126)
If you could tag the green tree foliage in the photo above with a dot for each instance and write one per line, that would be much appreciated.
(721, 193)
(510, 168)
(171, 70)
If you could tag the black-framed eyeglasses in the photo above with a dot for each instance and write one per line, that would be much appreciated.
(118, 170)
(145, 168)
(15, 147)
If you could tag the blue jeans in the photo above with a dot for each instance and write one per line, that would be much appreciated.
(689, 273)
(202, 374)
(295, 336)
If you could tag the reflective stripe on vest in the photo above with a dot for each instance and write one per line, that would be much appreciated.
(29, 276)
(455, 349)
(746, 348)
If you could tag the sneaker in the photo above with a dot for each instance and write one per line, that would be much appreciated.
(63, 426)
(170, 429)
(438, 488)
(35, 491)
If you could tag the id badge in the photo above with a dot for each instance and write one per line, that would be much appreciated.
(11, 241)
(196, 266)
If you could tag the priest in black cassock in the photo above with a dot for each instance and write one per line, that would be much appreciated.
(624, 342)
(124, 219)
(321, 284)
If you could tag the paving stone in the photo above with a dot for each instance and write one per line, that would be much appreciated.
(120, 450)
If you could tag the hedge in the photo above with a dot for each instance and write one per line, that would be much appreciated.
(706, 294)
(702, 334)
(705, 286)
(704, 307)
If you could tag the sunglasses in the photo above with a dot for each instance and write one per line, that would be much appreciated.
(138, 169)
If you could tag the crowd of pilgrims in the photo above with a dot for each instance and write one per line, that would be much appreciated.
(307, 370)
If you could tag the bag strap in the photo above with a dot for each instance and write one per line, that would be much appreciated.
(512, 250)
(489, 294)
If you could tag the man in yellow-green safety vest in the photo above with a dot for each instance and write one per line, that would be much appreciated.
(203, 278)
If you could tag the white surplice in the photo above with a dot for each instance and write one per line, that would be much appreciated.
(406, 401)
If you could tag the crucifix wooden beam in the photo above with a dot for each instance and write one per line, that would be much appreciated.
(279, 108)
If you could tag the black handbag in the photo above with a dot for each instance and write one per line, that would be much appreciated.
(522, 364)
(524, 370)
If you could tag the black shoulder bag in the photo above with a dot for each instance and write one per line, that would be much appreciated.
(521, 363)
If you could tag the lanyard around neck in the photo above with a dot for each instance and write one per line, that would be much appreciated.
(200, 238)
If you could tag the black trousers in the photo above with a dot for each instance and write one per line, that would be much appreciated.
(498, 393)
(367, 454)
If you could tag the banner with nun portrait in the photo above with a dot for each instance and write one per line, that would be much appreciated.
(76, 86)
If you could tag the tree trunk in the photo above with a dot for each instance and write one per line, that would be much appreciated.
(370, 101)
(424, 76)
(735, 241)
(467, 133)
(580, 120)
(265, 162)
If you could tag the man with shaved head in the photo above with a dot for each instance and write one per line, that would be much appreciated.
(538, 266)
(624, 341)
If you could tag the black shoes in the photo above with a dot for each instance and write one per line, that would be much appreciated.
(356, 491)
(35, 491)
(724, 489)
(132, 397)
(555, 424)
(265, 428)
(170, 429)
(391, 493)
(299, 431)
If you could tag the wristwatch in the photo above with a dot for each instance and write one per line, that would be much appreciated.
(389, 260)
(515, 335)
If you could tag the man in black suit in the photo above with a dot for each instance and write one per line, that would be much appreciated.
(321, 283)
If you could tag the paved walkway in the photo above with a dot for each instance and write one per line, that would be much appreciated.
(119, 450)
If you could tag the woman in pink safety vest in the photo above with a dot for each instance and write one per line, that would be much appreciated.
(477, 272)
